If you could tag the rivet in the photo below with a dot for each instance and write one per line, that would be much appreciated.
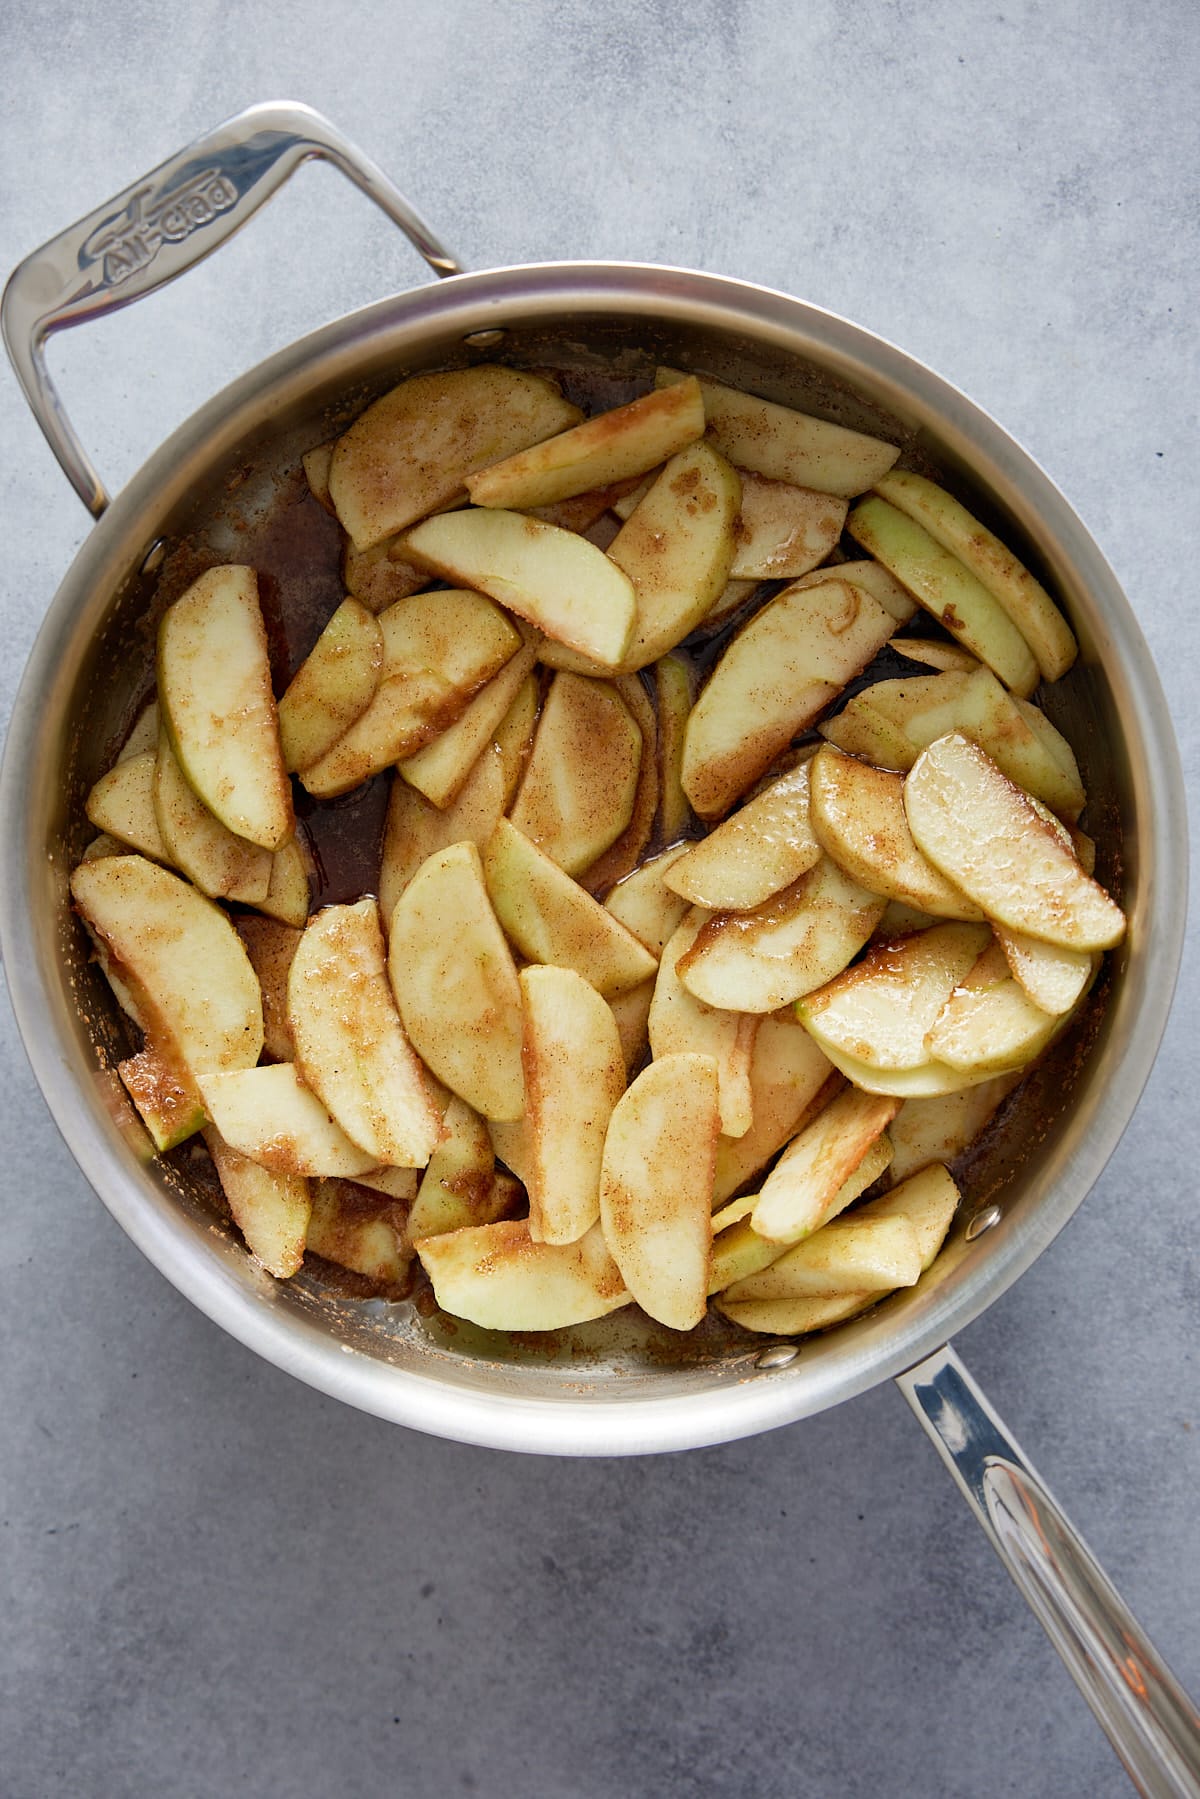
(982, 1221)
(485, 340)
(780, 1355)
(155, 556)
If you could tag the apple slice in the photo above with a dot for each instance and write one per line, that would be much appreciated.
(574, 1076)
(455, 982)
(559, 582)
(397, 1183)
(458, 1188)
(333, 686)
(271, 1210)
(656, 1187)
(626, 851)
(165, 1096)
(441, 770)
(1009, 582)
(270, 945)
(673, 693)
(795, 1317)
(927, 1200)
(783, 531)
(610, 447)
(1053, 978)
(515, 734)
(679, 1023)
(796, 941)
(631, 1010)
(269, 1115)
(858, 818)
(315, 463)
(799, 1194)
(551, 920)
(411, 451)
(786, 445)
(143, 733)
(122, 804)
(882, 1010)
(644, 903)
(677, 548)
(740, 1252)
(350, 1046)
(849, 1255)
(179, 959)
(937, 653)
(439, 649)
(779, 672)
(985, 835)
(790, 1081)
(415, 827)
(939, 1129)
(578, 789)
(756, 852)
(290, 890)
(214, 691)
(220, 864)
(354, 1231)
(947, 589)
(989, 1022)
(380, 576)
(874, 579)
(496, 1276)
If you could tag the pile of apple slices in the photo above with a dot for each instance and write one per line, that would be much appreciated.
(654, 986)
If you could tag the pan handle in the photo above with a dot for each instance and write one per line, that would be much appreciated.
(173, 217)
(1149, 1719)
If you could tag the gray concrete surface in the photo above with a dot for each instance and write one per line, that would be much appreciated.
(219, 1582)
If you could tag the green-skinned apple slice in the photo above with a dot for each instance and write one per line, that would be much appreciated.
(271, 1210)
(271, 1116)
(874, 579)
(214, 691)
(679, 1023)
(122, 804)
(783, 531)
(179, 957)
(786, 445)
(350, 1045)
(219, 863)
(605, 449)
(574, 1076)
(947, 589)
(799, 1194)
(458, 1187)
(656, 1187)
(496, 1276)
(578, 790)
(333, 686)
(166, 1097)
(557, 581)
(411, 452)
(986, 836)
(757, 851)
(455, 983)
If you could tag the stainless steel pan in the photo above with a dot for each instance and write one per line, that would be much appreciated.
(216, 490)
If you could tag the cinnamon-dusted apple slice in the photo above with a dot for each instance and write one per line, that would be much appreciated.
(214, 691)
(1054, 978)
(790, 1080)
(271, 945)
(847, 1255)
(625, 852)
(644, 902)
(556, 580)
(939, 1129)
(758, 850)
(631, 1010)
(796, 941)
(455, 982)
(795, 1317)
(415, 827)
(610, 447)
(677, 547)
(874, 579)
(673, 693)
(550, 918)
(122, 804)
(858, 817)
(989, 1022)
(947, 589)
(777, 675)
(574, 1076)
(882, 1010)
(315, 463)
(270, 1115)
(439, 649)
(177, 957)
(739, 1251)
(786, 445)
(799, 1194)
(458, 1187)
(783, 531)
(496, 1276)
(271, 1210)
(143, 733)
(1009, 582)
(656, 1187)
(679, 1023)
(219, 863)
(578, 790)
(380, 576)
(356, 1231)
(411, 452)
(333, 686)
(350, 1045)
(515, 734)
(927, 1200)
(166, 1098)
(985, 835)
(938, 653)
(290, 889)
(443, 767)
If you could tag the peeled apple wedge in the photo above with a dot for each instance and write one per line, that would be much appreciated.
(180, 957)
(368, 1241)
(333, 686)
(289, 893)
(874, 579)
(989, 1022)
(776, 676)
(441, 770)
(938, 1129)
(574, 1076)
(496, 1276)
(985, 835)
(411, 452)
(350, 1046)
(215, 696)
(614, 445)
(656, 1187)
(799, 1194)
(220, 864)
(783, 531)
(679, 1023)
(380, 576)
(795, 1317)
(786, 445)
(673, 693)
(271, 1210)
(269, 1115)
(848, 1255)
(858, 817)
(928, 1201)
(556, 580)
(796, 941)
(625, 852)
(790, 1080)
(122, 803)
(947, 589)
(577, 794)
(270, 945)
(455, 983)
(740, 1252)
(755, 852)
(644, 903)
(1054, 978)
(414, 827)
(677, 547)
(882, 1010)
